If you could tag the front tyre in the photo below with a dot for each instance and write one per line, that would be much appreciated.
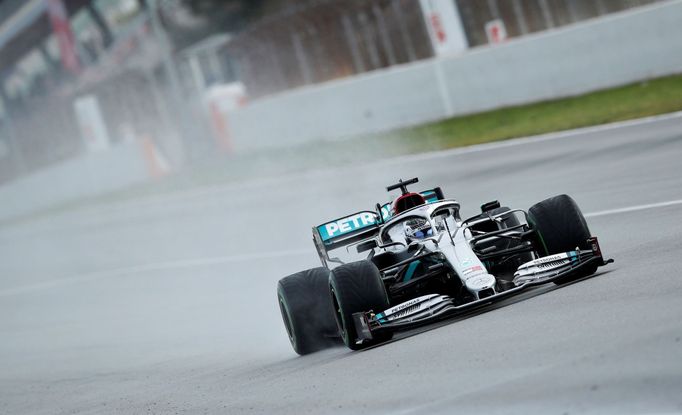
(357, 287)
(307, 310)
(561, 227)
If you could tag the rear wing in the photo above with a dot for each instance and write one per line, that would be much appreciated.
(345, 231)
(357, 227)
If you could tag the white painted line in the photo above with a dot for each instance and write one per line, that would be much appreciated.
(155, 266)
(634, 208)
(197, 262)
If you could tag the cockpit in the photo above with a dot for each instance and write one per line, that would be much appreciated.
(421, 223)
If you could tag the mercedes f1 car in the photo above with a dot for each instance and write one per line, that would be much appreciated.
(415, 261)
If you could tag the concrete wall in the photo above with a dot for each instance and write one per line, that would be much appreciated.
(610, 51)
(601, 53)
(86, 176)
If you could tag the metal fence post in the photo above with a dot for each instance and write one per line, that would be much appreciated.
(369, 41)
(352, 41)
(173, 77)
(320, 61)
(547, 14)
(494, 9)
(572, 12)
(301, 58)
(407, 39)
(272, 52)
(385, 38)
(601, 7)
(520, 17)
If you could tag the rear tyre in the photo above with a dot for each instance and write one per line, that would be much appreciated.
(561, 227)
(357, 287)
(307, 310)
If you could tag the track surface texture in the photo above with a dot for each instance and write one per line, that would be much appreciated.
(167, 304)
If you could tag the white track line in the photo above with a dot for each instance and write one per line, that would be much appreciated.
(634, 208)
(198, 262)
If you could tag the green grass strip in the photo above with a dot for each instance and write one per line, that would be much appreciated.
(642, 99)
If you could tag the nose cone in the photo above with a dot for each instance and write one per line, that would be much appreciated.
(480, 282)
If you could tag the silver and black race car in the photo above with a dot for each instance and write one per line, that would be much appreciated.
(415, 261)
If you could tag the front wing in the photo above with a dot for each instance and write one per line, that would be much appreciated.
(434, 307)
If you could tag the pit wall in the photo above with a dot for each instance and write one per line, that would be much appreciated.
(610, 51)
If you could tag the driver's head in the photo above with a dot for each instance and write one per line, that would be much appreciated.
(417, 228)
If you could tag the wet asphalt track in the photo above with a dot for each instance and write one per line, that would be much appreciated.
(167, 305)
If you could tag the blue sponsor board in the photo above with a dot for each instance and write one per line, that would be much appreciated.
(347, 225)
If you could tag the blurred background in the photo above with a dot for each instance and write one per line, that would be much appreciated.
(162, 163)
(178, 83)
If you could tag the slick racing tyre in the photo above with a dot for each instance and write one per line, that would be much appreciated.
(307, 310)
(561, 227)
(357, 287)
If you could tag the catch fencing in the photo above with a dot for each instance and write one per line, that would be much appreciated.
(613, 50)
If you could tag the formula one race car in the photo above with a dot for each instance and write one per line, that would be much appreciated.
(415, 261)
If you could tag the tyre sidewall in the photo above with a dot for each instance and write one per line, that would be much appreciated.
(356, 287)
(561, 227)
(306, 309)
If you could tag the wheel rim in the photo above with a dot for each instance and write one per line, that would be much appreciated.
(287, 321)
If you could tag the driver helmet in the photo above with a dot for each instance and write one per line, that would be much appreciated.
(417, 228)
